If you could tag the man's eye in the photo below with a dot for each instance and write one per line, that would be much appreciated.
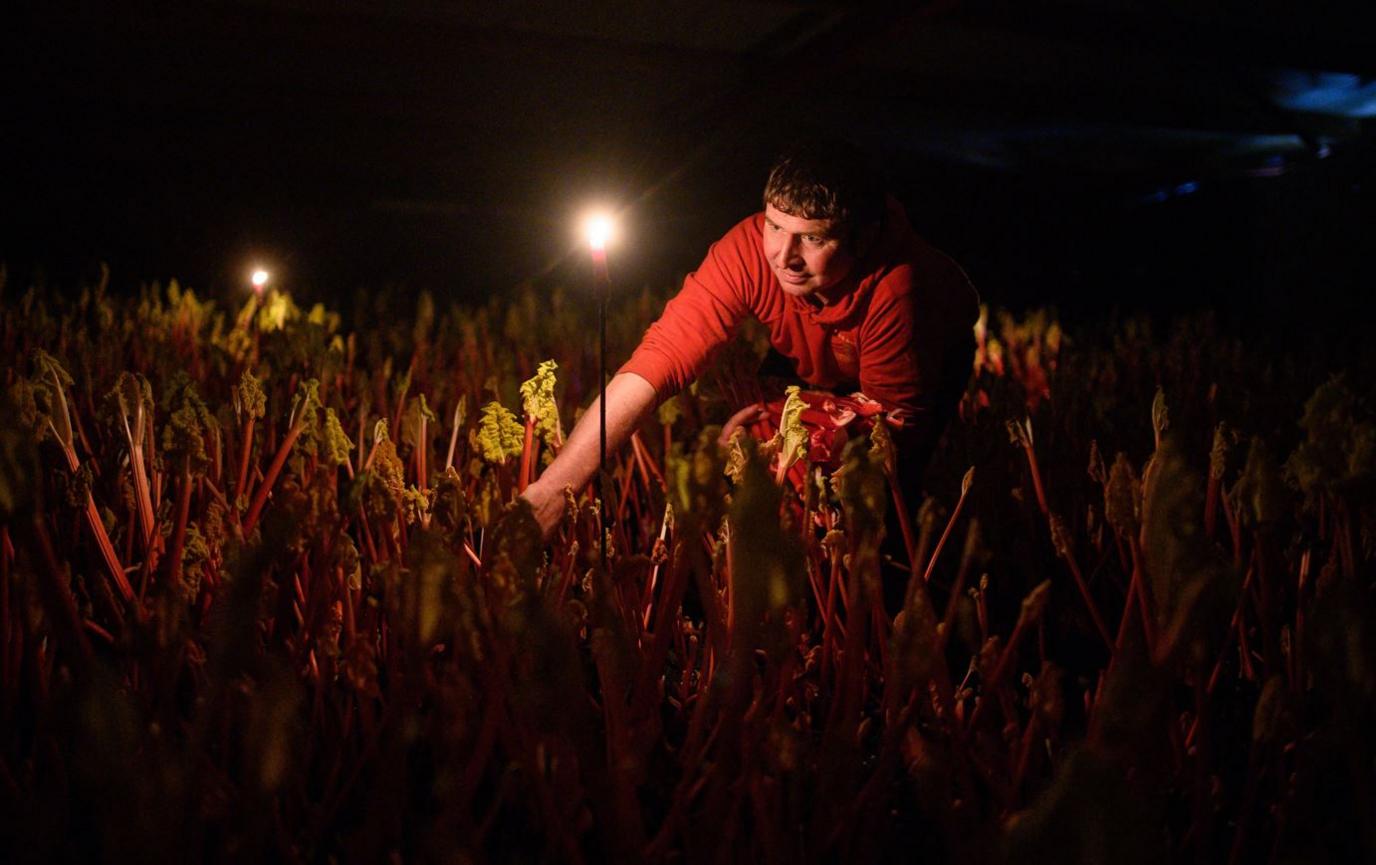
(814, 239)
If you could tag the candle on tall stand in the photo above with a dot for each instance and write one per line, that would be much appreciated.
(599, 229)
(259, 280)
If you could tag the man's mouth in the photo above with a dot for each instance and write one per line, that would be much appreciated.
(792, 277)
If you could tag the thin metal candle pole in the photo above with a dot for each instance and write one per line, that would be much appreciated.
(603, 279)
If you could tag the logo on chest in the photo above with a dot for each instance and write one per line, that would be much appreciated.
(846, 354)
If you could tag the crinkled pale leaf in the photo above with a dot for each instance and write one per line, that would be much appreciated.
(460, 411)
(386, 485)
(696, 479)
(537, 398)
(993, 356)
(736, 455)
(1160, 416)
(347, 558)
(1020, 432)
(415, 505)
(214, 524)
(76, 487)
(1218, 453)
(450, 504)
(766, 562)
(35, 407)
(1260, 492)
(515, 547)
(426, 605)
(24, 406)
(1122, 496)
(337, 443)
(322, 317)
(305, 410)
(416, 410)
(1097, 471)
(1180, 563)
(914, 658)
(247, 313)
(277, 310)
(821, 485)
(670, 411)
(131, 393)
(1339, 447)
(1047, 697)
(1053, 340)
(1361, 455)
(50, 381)
(863, 492)
(499, 437)
(18, 466)
(306, 402)
(195, 554)
(1319, 460)
(47, 365)
(881, 446)
(187, 435)
(792, 437)
(249, 396)
(1060, 537)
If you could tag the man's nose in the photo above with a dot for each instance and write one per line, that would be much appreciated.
(787, 250)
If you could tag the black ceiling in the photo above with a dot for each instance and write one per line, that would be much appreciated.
(448, 143)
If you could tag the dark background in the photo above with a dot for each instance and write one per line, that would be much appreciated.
(1086, 154)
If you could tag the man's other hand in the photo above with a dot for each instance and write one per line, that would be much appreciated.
(548, 506)
(629, 399)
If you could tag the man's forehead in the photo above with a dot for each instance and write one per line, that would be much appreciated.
(798, 224)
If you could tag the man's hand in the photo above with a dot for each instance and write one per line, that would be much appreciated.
(743, 418)
(548, 505)
(629, 399)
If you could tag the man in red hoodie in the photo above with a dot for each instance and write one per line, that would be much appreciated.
(850, 295)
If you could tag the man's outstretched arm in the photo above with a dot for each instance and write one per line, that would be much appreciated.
(629, 399)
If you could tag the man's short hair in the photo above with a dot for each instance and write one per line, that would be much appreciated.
(826, 178)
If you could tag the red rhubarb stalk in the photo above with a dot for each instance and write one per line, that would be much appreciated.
(179, 531)
(1021, 435)
(245, 451)
(454, 436)
(950, 524)
(1060, 539)
(260, 498)
(93, 520)
(527, 455)
(422, 445)
(1211, 495)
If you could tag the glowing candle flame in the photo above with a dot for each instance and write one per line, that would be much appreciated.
(259, 279)
(598, 228)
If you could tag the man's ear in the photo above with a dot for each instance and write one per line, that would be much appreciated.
(863, 238)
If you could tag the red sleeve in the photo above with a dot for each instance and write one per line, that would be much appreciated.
(701, 317)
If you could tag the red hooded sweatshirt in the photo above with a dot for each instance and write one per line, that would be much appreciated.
(899, 326)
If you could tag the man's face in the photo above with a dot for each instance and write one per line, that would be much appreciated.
(807, 255)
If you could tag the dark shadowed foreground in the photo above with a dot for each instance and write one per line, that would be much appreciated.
(263, 597)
